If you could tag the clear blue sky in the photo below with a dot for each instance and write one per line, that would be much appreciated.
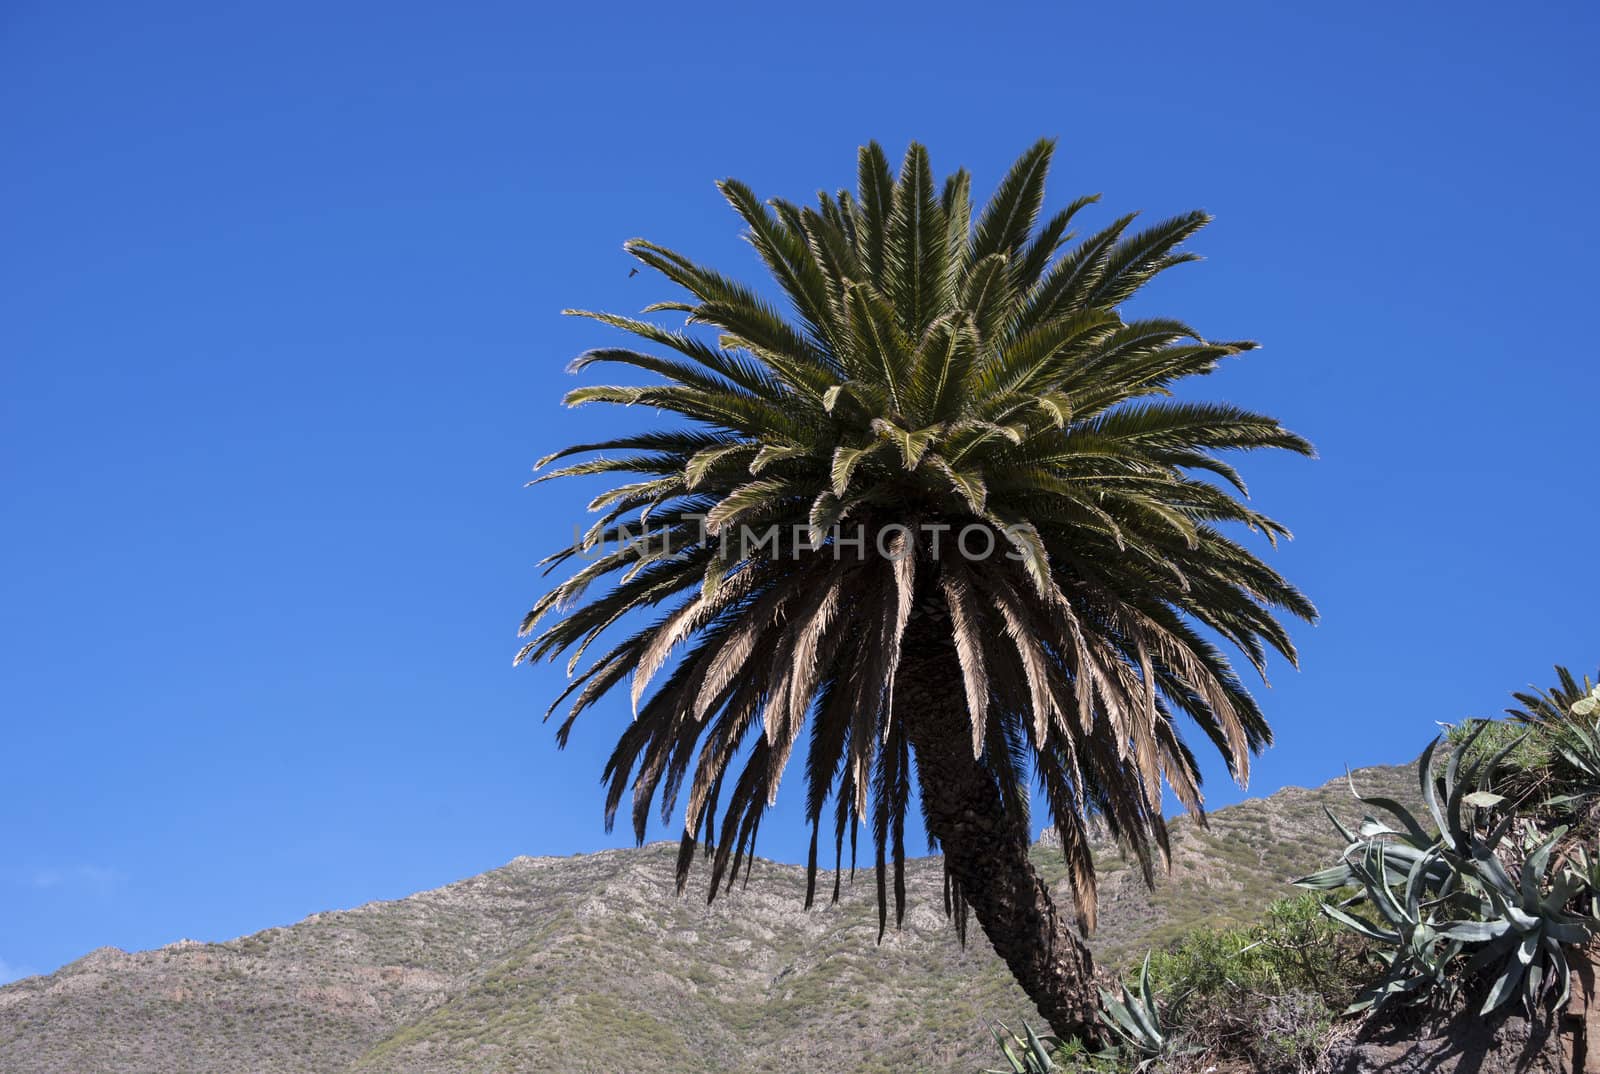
(280, 339)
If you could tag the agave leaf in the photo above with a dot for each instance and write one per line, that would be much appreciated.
(1474, 931)
(1413, 828)
(1413, 878)
(1005, 1042)
(1361, 925)
(1041, 1055)
(1520, 919)
(1562, 974)
(1569, 932)
(1147, 997)
(1339, 826)
(1120, 1019)
(1535, 866)
(1490, 870)
(1573, 758)
(1505, 986)
(1330, 879)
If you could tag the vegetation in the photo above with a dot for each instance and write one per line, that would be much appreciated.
(528, 966)
(1267, 995)
(1555, 766)
(1477, 897)
(940, 509)
(1028, 1053)
(1135, 1021)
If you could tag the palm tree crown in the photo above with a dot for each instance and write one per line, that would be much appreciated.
(821, 524)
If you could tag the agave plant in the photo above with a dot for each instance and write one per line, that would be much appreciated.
(1028, 1054)
(1455, 836)
(1134, 1020)
(1446, 905)
(1587, 867)
(940, 521)
(1416, 950)
(1522, 927)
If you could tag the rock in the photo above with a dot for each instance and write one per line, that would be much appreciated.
(1467, 1043)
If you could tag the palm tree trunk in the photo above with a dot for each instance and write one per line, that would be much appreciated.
(986, 847)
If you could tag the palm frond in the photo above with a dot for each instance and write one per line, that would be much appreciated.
(936, 380)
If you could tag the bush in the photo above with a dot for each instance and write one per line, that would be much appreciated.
(1551, 763)
(1296, 948)
(1483, 896)
(1267, 994)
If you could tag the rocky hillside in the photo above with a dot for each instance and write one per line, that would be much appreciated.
(590, 963)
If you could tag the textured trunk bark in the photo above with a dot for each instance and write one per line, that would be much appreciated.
(986, 846)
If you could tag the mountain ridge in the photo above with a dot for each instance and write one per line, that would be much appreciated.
(590, 962)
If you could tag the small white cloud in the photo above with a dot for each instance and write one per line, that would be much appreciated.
(46, 878)
(94, 878)
(9, 973)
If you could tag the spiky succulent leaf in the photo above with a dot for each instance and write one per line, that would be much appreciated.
(1456, 899)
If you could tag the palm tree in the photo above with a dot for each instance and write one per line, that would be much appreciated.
(1551, 707)
(943, 510)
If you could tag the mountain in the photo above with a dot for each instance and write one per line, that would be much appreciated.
(590, 963)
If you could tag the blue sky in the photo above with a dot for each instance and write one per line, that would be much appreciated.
(279, 340)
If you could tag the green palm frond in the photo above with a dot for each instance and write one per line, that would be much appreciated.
(941, 378)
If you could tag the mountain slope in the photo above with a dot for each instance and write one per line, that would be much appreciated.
(590, 963)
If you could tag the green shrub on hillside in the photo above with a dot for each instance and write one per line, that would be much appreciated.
(1554, 766)
(1481, 897)
(1295, 948)
(1266, 995)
